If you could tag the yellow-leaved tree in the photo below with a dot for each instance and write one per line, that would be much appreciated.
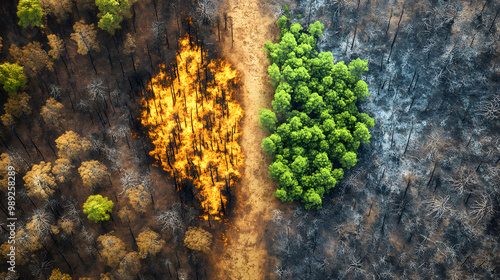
(106, 276)
(85, 37)
(62, 169)
(33, 57)
(130, 265)
(58, 275)
(67, 225)
(149, 243)
(138, 197)
(198, 239)
(26, 243)
(92, 173)
(56, 46)
(51, 112)
(71, 145)
(129, 46)
(40, 182)
(113, 249)
(17, 104)
(5, 162)
(41, 224)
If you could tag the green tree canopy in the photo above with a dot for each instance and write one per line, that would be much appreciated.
(267, 119)
(97, 208)
(30, 13)
(12, 77)
(315, 124)
(112, 13)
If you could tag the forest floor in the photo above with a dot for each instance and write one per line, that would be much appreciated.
(244, 254)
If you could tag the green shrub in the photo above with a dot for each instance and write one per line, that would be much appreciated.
(97, 208)
(12, 77)
(30, 13)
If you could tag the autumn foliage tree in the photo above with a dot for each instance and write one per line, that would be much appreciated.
(130, 265)
(16, 106)
(58, 275)
(129, 48)
(30, 13)
(67, 225)
(315, 124)
(62, 169)
(149, 243)
(12, 77)
(51, 112)
(198, 239)
(33, 57)
(107, 276)
(138, 197)
(40, 182)
(98, 208)
(9, 275)
(56, 46)
(5, 162)
(113, 249)
(71, 145)
(41, 224)
(26, 244)
(59, 8)
(92, 173)
(85, 36)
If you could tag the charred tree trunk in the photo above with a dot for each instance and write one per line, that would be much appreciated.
(396, 34)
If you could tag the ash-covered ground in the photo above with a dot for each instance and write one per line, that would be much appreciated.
(423, 201)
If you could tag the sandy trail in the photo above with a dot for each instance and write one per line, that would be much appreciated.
(245, 256)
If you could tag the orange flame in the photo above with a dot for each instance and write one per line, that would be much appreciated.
(193, 122)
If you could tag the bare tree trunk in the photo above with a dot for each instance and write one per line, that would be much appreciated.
(396, 34)
(36, 147)
(493, 22)
(133, 18)
(133, 63)
(92, 62)
(432, 174)
(24, 146)
(389, 24)
(109, 55)
(354, 37)
(408, 141)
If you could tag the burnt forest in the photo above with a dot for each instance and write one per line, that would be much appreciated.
(249, 139)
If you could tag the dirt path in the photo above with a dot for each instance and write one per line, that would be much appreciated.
(245, 256)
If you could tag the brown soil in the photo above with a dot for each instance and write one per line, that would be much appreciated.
(245, 255)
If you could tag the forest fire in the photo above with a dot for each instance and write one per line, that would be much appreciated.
(193, 121)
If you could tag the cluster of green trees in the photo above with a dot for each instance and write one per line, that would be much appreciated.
(315, 125)
(13, 79)
(30, 13)
(111, 12)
